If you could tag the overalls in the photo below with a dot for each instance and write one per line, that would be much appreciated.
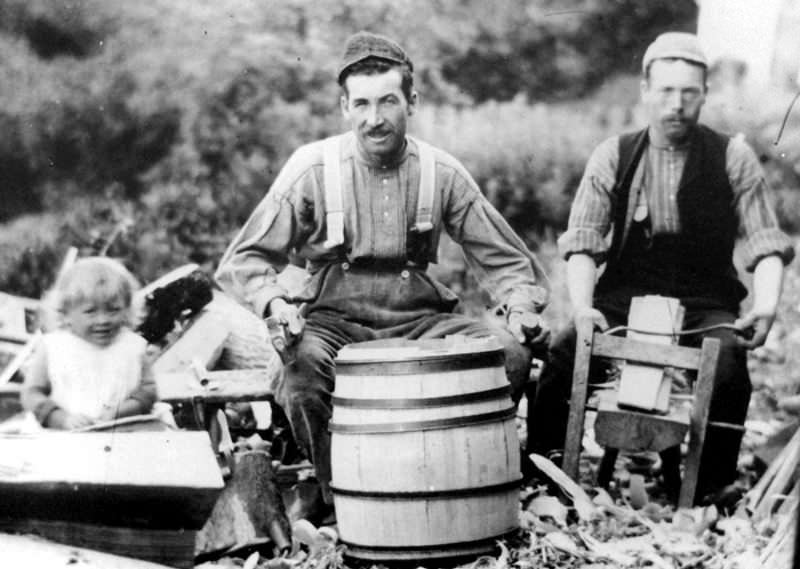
(369, 300)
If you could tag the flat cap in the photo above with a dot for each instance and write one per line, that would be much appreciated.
(680, 45)
(362, 45)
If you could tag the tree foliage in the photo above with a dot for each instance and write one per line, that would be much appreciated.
(178, 114)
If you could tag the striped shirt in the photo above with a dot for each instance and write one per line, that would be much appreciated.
(380, 202)
(657, 180)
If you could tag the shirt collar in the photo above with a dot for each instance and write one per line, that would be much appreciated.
(394, 162)
(682, 146)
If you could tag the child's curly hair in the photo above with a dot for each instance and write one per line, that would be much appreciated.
(93, 278)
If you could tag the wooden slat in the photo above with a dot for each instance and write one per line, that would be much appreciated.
(202, 341)
(164, 280)
(17, 339)
(647, 387)
(645, 352)
(223, 386)
(757, 492)
(155, 479)
(12, 315)
(638, 431)
(10, 400)
(577, 406)
(20, 358)
(31, 551)
(706, 377)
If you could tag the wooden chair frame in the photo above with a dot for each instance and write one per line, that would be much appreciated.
(596, 344)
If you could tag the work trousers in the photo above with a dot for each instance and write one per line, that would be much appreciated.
(548, 413)
(356, 305)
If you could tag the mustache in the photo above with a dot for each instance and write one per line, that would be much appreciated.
(379, 131)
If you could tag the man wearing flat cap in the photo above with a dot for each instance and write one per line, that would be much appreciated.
(678, 195)
(365, 210)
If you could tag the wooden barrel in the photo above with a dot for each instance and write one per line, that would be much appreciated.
(425, 456)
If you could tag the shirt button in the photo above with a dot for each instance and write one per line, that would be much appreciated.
(345, 265)
(405, 274)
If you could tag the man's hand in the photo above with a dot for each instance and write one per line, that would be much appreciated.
(583, 313)
(759, 322)
(288, 315)
(528, 328)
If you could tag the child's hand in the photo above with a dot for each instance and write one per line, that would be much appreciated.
(77, 421)
(108, 414)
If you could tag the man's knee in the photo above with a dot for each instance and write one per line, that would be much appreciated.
(560, 357)
(732, 363)
(309, 378)
(517, 361)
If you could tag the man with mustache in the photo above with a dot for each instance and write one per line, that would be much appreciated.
(678, 195)
(364, 211)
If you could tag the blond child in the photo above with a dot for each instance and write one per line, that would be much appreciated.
(93, 367)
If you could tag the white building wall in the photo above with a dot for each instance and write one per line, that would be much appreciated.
(741, 29)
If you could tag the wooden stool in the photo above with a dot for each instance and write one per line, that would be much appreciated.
(638, 430)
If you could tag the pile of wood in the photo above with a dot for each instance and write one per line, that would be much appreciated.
(215, 354)
(773, 500)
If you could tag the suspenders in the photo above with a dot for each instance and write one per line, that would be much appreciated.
(332, 178)
(427, 180)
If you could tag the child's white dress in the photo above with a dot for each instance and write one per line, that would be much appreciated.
(89, 379)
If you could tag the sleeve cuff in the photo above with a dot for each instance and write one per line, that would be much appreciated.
(145, 397)
(260, 300)
(44, 410)
(765, 244)
(586, 241)
(528, 299)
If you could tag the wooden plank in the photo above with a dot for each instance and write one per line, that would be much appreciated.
(202, 341)
(221, 386)
(706, 377)
(12, 315)
(638, 431)
(577, 406)
(172, 276)
(14, 338)
(152, 479)
(110, 546)
(20, 358)
(756, 493)
(10, 400)
(780, 485)
(31, 551)
(644, 352)
(647, 387)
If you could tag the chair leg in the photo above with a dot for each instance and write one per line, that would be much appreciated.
(577, 407)
(671, 472)
(699, 422)
(605, 472)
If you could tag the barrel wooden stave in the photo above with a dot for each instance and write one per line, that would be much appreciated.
(441, 481)
(476, 456)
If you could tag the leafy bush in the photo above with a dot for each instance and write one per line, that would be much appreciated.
(528, 158)
(553, 49)
(177, 116)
